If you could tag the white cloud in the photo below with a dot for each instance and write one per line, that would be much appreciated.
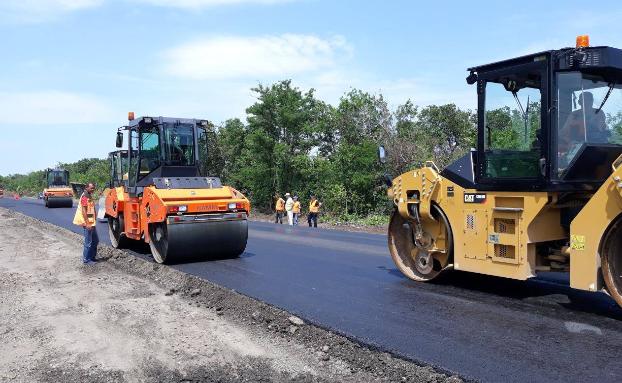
(331, 86)
(53, 107)
(254, 57)
(199, 4)
(41, 10)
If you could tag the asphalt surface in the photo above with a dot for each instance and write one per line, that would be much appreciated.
(482, 328)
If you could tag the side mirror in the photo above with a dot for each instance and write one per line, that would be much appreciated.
(387, 180)
(382, 154)
(119, 139)
(471, 78)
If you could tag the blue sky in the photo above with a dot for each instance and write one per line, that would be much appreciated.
(72, 69)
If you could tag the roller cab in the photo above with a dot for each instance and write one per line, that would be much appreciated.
(159, 195)
(541, 192)
(58, 192)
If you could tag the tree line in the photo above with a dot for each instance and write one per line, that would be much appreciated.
(291, 141)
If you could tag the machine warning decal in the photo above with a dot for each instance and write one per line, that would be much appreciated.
(474, 197)
(450, 191)
(493, 238)
(577, 242)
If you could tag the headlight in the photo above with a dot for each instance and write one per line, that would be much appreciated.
(232, 206)
(183, 208)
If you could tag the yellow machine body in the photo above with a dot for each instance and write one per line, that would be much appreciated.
(497, 233)
(541, 188)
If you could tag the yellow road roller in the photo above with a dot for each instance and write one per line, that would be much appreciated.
(158, 194)
(542, 191)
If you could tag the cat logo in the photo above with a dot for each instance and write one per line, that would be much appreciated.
(474, 197)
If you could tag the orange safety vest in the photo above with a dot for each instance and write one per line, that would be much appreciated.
(280, 204)
(296, 208)
(314, 207)
(78, 218)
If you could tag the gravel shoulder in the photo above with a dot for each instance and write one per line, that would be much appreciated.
(129, 320)
(380, 229)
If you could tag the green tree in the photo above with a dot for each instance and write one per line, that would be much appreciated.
(284, 126)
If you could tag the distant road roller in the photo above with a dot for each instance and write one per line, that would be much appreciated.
(58, 192)
(543, 189)
(159, 195)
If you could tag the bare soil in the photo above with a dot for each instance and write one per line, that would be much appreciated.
(125, 319)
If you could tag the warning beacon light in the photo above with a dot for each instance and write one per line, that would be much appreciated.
(583, 41)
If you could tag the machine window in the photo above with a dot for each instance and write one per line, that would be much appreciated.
(512, 125)
(179, 144)
(150, 151)
(589, 112)
(57, 178)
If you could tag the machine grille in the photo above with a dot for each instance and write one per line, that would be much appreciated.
(505, 226)
(470, 222)
(505, 251)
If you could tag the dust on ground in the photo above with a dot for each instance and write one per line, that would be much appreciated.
(64, 321)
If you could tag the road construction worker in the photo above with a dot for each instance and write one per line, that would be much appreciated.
(289, 208)
(314, 210)
(296, 210)
(85, 216)
(280, 208)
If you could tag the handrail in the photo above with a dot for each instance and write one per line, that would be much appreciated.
(431, 164)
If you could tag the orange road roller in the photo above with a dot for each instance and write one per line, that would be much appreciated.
(158, 194)
(58, 193)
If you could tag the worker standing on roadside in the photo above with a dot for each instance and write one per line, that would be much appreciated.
(85, 217)
(289, 208)
(296, 210)
(314, 210)
(280, 207)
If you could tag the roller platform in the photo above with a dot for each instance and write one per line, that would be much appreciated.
(199, 237)
(54, 202)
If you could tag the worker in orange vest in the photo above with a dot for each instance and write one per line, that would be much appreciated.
(86, 217)
(280, 208)
(314, 210)
(296, 210)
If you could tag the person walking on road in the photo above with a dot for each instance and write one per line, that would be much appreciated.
(85, 216)
(289, 208)
(314, 210)
(296, 210)
(280, 207)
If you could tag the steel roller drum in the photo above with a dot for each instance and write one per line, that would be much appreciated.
(59, 202)
(198, 241)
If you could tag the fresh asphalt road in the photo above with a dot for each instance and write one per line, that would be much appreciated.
(480, 327)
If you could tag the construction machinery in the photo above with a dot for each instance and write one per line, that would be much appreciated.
(58, 193)
(543, 189)
(158, 194)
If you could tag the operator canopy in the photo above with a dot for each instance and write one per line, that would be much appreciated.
(546, 121)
